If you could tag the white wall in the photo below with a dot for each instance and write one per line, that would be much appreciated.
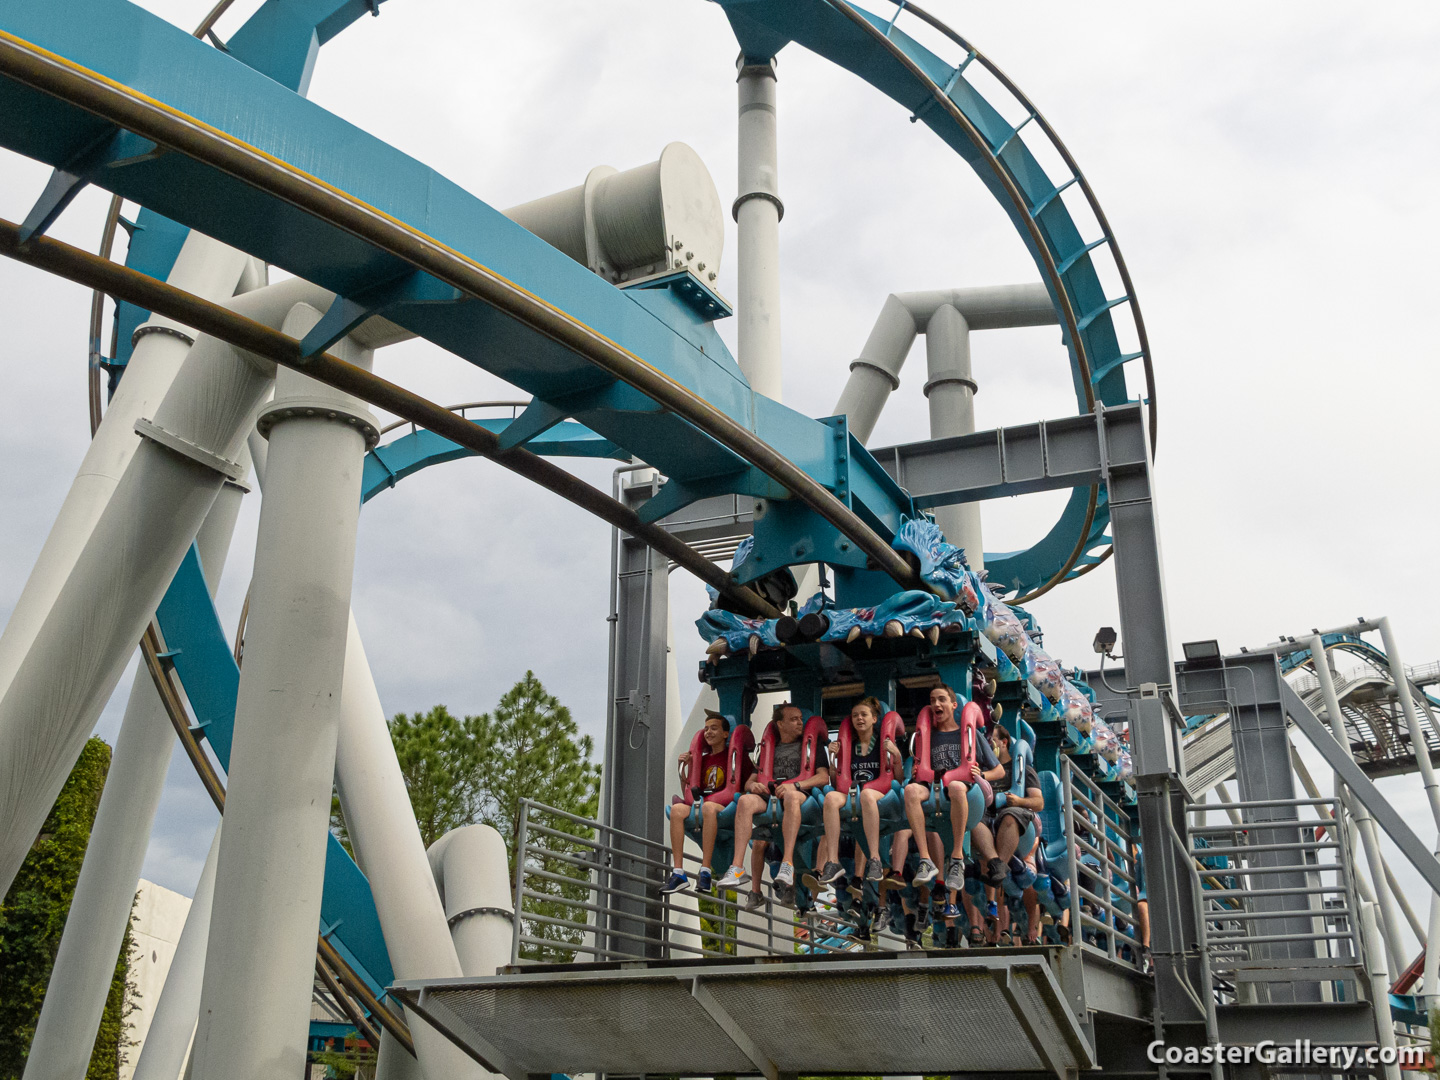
(155, 932)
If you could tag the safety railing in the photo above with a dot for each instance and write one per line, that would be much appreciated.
(1104, 870)
(586, 891)
(1278, 904)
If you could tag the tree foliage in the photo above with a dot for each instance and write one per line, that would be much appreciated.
(32, 918)
(478, 770)
(533, 750)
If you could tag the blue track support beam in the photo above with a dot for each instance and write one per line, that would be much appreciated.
(387, 465)
(212, 88)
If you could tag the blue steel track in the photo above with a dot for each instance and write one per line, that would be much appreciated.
(252, 91)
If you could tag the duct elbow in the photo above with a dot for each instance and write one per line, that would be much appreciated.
(472, 872)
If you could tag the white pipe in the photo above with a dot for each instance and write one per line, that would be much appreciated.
(1430, 988)
(1379, 988)
(394, 1062)
(1364, 823)
(876, 372)
(472, 872)
(950, 389)
(81, 648)
(387, 843)
(167, 1043)
(259, 967)
(204, 267)
(757, 214)
(105, 891)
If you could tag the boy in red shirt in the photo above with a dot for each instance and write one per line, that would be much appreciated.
(709, 775)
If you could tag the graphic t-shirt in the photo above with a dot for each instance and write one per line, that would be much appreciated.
(713, 768)
(787, 760)
(945, 751)
(865, 767)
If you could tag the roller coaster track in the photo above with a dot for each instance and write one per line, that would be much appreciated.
(1380, 739)
(391, 246)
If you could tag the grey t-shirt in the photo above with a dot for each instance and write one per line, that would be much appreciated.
(787, 760)
(945, 751)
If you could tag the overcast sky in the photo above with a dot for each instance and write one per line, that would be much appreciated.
(1267, 170)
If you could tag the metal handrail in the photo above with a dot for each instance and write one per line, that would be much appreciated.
(1116, 878)
(614, 909)
(1233, 930)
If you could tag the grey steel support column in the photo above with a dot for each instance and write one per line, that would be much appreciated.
(1145, 638)
(950, 390)
(635, 734)
(1263, 773)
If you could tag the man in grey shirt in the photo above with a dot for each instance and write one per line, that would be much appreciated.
(792, 793)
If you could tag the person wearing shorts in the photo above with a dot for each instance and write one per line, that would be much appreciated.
(1005, 821)
(712, 770)
(792, 793)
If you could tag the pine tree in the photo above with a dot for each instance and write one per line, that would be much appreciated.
(532, 749)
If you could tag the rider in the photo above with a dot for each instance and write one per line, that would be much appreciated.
(865, 765)
(712, 770)
(945, 754)
(792, 793)
(999, 832)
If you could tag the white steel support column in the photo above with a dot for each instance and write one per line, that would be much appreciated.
(105, 892)
(388, 847)
(1360, 815)
(757, 212)
(204, 267)
(167, 1043)
(1430, 987)
(950, 388)
(259, 967)
(80, 650)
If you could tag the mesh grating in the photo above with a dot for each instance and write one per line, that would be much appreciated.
(893, 1023)
(570, 1027)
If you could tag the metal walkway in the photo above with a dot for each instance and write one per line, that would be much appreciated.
(981, 1011)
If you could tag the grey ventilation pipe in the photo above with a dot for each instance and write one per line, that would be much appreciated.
(946, 318)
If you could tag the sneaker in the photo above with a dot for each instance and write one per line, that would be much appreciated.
(733, 879)
(955, 876)
(785, 875)
(831, 873)
(754, 901)
(951, 911)
(811, 882)
(784, 895)
(882, 921)
(678, 883)
(992, 910)
(704, 885)
(926, 872)
(856, 890)
(874, 871)
(995, 872)
(893, 879)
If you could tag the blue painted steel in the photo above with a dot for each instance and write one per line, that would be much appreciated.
(201, 82)
(206, 667)
(819, 27)
(387, 465)
(281, 41)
